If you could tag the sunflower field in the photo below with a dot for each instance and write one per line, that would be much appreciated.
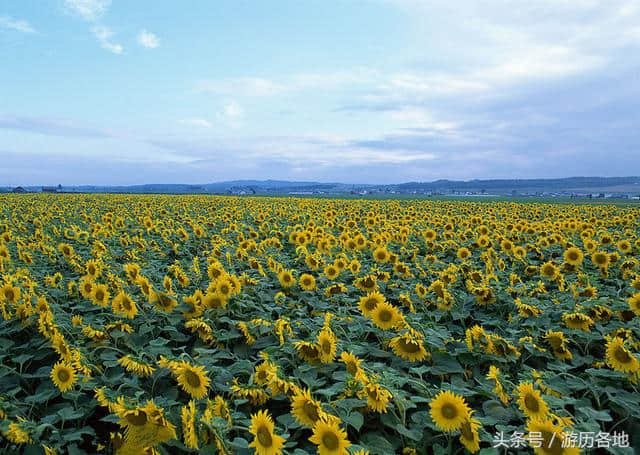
(209, 324)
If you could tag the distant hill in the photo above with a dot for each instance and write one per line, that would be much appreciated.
(565, 186)
(524, 185)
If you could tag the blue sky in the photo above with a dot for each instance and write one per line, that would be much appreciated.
(356, 91)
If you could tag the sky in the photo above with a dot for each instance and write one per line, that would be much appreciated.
(117, 92)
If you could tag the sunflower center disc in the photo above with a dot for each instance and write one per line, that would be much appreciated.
(330, 441)
(466, 431)
(531, 403)
(621, 355)
(192, 379)
(63, 375)
(311, 411)
(449, 411)
(137, 418)
(410, 347)
(264, 436)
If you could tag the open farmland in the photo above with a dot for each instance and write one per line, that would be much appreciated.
(172, 324)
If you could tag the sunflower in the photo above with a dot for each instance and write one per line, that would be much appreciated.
(329, 437)
(483, 241)
(309, 352)
(555, 339)
(549, 438)
(193, 303)
(93, 268)
(132, 271)
(463, 253)
(634, 303)
(136, 366)
(558, 344)
(305, 409)
(601, 259)
(256, 396)
(494, 374)
(9, 294)
(549, 270)
(188, 415)
(286, 279)
(589, 292)
(192, 379)
(265, 441)
(335, 289)
(4, 253)
(624, 246)
(331, 272)
(327, 345)
(520, 252)
(527, 311)
(351, 362)
(100, 295)
(341, 263)
(377, 397)
(123, 305)
(449, 411)
(16, 434)
(167, 284)
(307, 282)
(144, 427)
(620, 358)
(218, 408)
(530, 401)
(577, 321)
(162, 301)
(63, 376)
(312, 262)
(369, 302)
(385, 316)
(224, 288)
(367, 283)
(214, 300)
(408, 347)
(145, 286)
(263, 373)
(573, 256)
(438, 288)
(430, 235)
(469, 435)
(381, 255)
(66, 250)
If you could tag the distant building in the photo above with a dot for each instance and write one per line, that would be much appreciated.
(49, 189)
(18, 189)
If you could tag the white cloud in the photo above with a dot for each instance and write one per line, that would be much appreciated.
(16, 24)
(244, 86)
(148, 39)
(486, 46)
(89, 10)
(256, 86)
(104, 35)
(416, 117)
(232, 111)
(92, 11)
(197, 122)
(304, 152)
